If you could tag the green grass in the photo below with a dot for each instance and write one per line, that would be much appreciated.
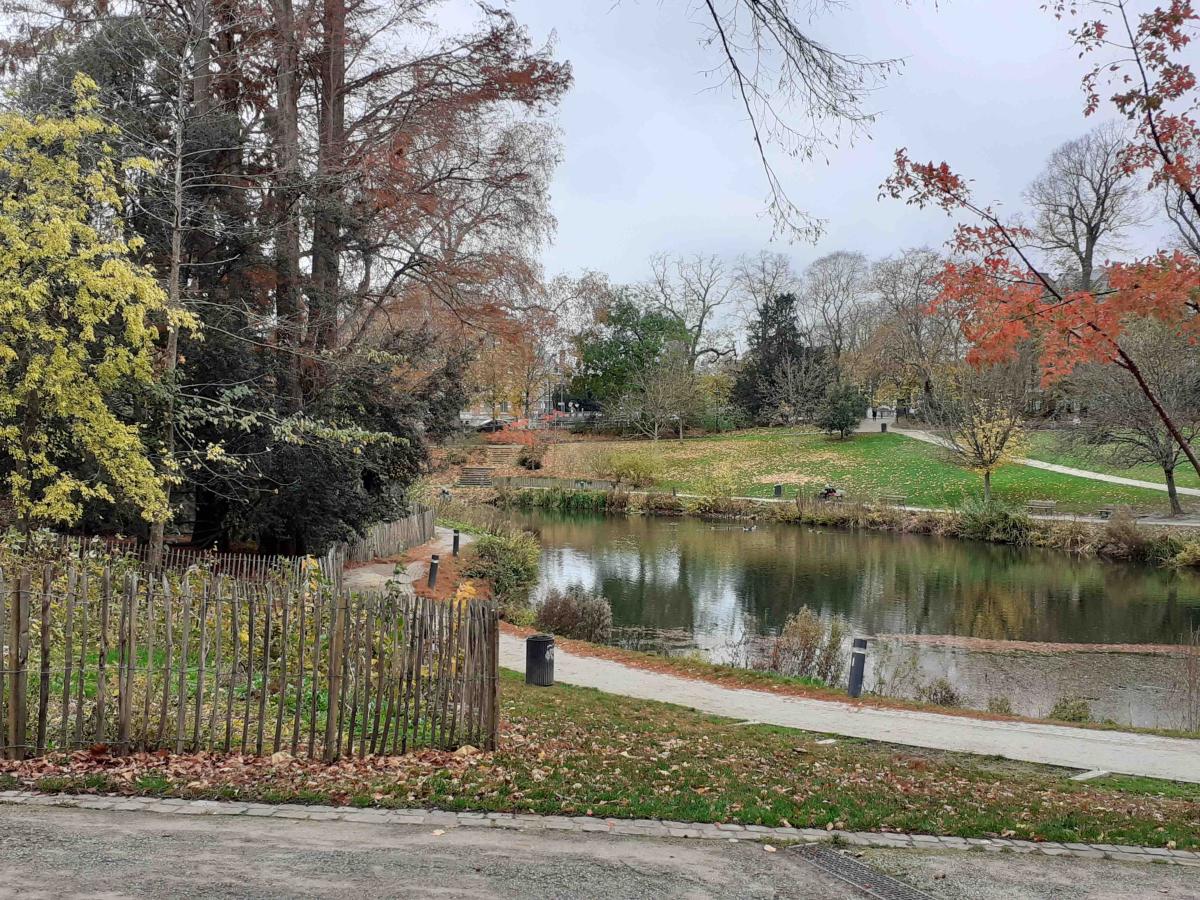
(866, 466)
(1050, 446)
(577, 751)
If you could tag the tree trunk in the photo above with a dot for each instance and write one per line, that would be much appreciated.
(287, 254)
(987, 486)
(1172, 493)
(174, 291)
(326, 249)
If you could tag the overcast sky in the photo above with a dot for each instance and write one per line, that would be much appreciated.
(657, 159)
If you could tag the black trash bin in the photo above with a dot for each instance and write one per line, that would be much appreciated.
(883, 427)
(539, 660)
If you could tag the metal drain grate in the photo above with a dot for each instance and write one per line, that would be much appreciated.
(848, 869)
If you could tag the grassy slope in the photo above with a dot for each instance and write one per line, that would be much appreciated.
(865, 465)
(1050, 447)
(577, 751)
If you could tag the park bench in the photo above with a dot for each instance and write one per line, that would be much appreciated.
(1041, 506)
(894, 500)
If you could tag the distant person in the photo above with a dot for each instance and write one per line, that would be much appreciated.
(874, 413)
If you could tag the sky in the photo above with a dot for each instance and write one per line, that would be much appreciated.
(659, 158)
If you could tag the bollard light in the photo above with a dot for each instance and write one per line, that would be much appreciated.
(455, 548)
(433, 567)
(858, 665)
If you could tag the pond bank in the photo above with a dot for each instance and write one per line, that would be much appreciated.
(986, 618)
(1162, 543)
(1113, 751)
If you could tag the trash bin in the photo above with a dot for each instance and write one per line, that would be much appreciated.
(883, 427)
(539, 660)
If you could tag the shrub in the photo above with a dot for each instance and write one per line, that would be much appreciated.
(1001, 706)
(1070, 537)
(1188, 555)
(842, 408)
(638, 468)
(1164, 547)
(995, 522)
(1071, 709)
(532, 456)
(1122, 537)
(941, 693)
(807, 647)
(456, 457)
(576, 613)
(721, 507)
(509, 562)
(663, 504)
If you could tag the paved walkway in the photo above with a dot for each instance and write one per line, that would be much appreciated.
(1177, 759)
(376, 576)
(928, 438)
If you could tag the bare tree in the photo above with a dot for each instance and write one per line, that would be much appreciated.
(692, 291)
(776, 67)
(1184, 216)
(835, 294)
(1120, 424)
(661, 396)
(906, 343)
(796, 388)
(758, 280)
(1084, 201)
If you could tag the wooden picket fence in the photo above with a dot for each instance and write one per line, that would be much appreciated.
(383, 539)
(96, 653)
(390, 538)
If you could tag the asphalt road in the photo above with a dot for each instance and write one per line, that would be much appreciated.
(57, 852)
(50, 852)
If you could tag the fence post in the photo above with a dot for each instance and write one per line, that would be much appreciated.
(18, 654)
(858, 664)
(337, 627)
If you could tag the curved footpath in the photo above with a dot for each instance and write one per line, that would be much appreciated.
(926, 437)
(1177, 759)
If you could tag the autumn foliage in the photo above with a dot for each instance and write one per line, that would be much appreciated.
(993, 285)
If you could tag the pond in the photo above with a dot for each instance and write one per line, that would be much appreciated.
(938, 607)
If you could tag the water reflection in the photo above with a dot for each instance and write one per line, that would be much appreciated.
(715, 581)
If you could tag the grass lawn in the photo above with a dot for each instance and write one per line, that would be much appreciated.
(577, 751)
(866, 466)
(1051, 446)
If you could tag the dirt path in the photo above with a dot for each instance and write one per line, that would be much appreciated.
(1077, 748)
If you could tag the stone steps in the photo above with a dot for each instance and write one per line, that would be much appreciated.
(476, 476)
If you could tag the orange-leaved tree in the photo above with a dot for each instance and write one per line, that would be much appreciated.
(993, 284)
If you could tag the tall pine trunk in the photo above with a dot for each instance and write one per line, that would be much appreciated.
(331, 127)
(288, 303)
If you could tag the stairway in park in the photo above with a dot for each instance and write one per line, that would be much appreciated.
(503, 454)
(476, 476)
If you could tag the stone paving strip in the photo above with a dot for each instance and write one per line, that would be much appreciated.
(648, 828)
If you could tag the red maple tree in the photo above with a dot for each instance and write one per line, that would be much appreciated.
(993, 285)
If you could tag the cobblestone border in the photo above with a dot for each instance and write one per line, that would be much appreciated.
(652, 828)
